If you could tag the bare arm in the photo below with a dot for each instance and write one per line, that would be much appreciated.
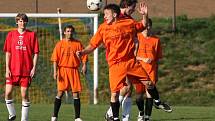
(136, 44)
(55, 70)
(87, 50)
(34, 65)
(7, 58)
(143, 9)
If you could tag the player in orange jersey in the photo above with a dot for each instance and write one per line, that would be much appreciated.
(149, 54)
(117, 35)
(66, 64)
(127, 8)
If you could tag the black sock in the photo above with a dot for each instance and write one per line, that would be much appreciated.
(77, 106)
(140, 105)
(148, 109)
(115, 108)
(57, 104)
(154, 93)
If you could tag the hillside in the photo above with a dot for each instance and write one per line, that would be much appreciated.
(157, 8)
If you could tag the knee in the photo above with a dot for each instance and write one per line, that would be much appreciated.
(60, 94)
(114, 97)
(75, 95)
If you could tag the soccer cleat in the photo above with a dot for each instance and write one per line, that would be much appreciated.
(54, 119)
(108, 118)
(125, 118)
(11, 118)
(140, 117)
(78, 119)
(164, 106)
(147, 118)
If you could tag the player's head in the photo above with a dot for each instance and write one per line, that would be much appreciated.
(68, 31)
(111, 13)
(21, 20)
(128, 6)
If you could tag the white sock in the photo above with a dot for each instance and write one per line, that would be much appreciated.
(109, 112)
(121, 99)
(126, 107)
(25, 109)
(10, 107)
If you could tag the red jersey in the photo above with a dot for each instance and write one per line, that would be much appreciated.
(21, 47)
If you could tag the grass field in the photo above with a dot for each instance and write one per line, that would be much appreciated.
(42, 112)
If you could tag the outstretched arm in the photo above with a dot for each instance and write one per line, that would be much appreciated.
(85, 51)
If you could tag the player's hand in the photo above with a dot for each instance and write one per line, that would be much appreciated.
(84, 69)
(8, 73)
(32, 72)
(79, 54)
(143, 9)
(147, 60)
(55, 75)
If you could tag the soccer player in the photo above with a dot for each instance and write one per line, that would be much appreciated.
(127, 7)
(118, 37)
(21, 49)
(149, 54)
(66, 64)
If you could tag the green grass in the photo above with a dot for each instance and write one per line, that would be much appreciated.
(96, 113)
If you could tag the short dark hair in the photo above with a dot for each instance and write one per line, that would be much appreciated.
(22, 16)
(70, 27)
(150, 22)
(114, 7)
(126, 3)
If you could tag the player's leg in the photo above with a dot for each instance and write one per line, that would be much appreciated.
(9, 102)
(77, 105)
(25, 103)
(114, 103)
(140, 100)
(148, 107)
(57, 104)
(157, 102)
(25, 84)
(126, 102)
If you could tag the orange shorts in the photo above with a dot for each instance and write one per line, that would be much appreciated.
(69, 78)
(23, 81)
(119, 71)
(151, 70)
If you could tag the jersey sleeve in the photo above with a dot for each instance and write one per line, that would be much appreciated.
(139, 26)
(96, 40)
(159, 50)
(7, 44)
(55, 53)
(36, 44)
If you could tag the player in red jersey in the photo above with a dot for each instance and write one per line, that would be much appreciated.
(21, 49)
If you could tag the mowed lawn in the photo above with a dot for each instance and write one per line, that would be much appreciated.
(42, 112)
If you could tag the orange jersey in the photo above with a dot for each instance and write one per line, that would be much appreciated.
(150, 47)
(118, 39)
(64, 53)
